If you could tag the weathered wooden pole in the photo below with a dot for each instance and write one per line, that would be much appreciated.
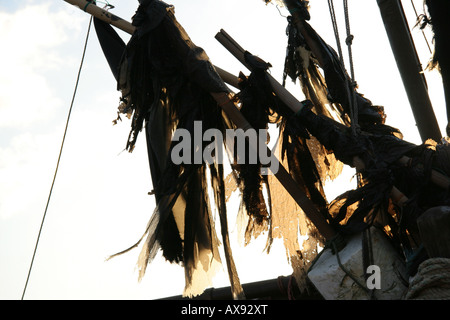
(410, 69)
(102, 14)
(273, 289)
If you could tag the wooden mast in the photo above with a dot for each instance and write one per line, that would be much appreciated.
(410, 70)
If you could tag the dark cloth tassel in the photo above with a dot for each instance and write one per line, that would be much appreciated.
(263, 107)
(166, 83)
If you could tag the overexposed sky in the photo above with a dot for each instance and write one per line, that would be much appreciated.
(99, 204)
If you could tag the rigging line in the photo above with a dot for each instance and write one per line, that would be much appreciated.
(335, 29)
(351, 86)
(59, 157)
(349, 39)
(417, 20)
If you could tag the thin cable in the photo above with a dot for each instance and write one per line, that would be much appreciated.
(351, 87)
(423, 33)
(336, 30)
(349, 39)
(59, 157)
(351, 84)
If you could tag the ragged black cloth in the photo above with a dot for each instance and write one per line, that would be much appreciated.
(262, 106)
(306, 50)
(166, 83)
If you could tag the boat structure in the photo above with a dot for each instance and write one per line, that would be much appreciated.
(386, 239)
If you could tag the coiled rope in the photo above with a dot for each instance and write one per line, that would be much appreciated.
(432, 281)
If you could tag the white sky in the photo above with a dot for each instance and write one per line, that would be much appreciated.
(100, 204)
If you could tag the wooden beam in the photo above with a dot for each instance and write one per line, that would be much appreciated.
(274, 289)
(102, 14)
(410, 69)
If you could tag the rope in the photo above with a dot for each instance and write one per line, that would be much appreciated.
(347, 272)
(289, 291)
(335, 245)
(351, 85)
(432, 281)
(349, 39)
(87, 3)
(423, 33)
(335, 29)
(59, 159)
(367, 250)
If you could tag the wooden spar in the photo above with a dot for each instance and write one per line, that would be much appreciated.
(238, 52)
(102, 14)
(278, 288)
(228, 105)
(408, 64)
(227, 77)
